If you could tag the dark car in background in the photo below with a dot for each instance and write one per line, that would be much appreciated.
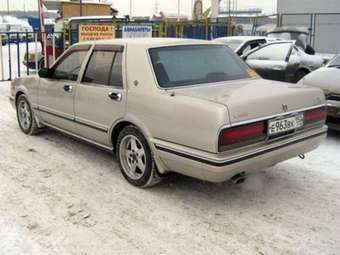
(282, 61)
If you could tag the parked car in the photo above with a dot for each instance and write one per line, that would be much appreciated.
(282, 61)
(243, 44)
(327, 79)
(163, 105)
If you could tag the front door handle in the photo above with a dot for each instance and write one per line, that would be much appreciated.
(68, 88)
(115, 96)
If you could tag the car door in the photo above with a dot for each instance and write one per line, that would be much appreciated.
(56, 93)
(100, 97)
(251, 45)
(271, 61)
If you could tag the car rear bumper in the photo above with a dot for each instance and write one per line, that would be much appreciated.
(214, 168)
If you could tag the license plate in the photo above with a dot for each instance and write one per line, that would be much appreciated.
(285, 125)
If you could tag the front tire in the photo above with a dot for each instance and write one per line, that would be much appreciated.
(135, 158)
(25, 116)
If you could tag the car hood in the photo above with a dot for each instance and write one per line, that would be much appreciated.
(326, 79)
(256, 98)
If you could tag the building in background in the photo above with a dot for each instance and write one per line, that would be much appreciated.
(320, 17)
(72, 8)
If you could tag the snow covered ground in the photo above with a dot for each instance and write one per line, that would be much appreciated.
(61, 196)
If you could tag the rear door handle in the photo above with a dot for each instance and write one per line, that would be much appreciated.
(115, 96)
(68, 88)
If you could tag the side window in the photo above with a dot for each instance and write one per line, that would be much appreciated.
(276, 52)
(105, 68)
(116, 78)
(69, 67)
(99, 66)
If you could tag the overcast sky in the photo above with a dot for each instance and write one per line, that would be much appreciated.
(146, 7)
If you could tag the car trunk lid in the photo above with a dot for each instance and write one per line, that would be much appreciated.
(252, 99)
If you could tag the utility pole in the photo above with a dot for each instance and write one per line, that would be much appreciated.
(81, 7)
(156, 7)
(8, 7)
(229, 20)
(130, 9)
(192, 9)
(179, 11)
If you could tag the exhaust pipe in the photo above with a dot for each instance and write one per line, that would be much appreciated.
(239, 178)
(302, 156)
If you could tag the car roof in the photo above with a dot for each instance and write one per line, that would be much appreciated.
(149, 42)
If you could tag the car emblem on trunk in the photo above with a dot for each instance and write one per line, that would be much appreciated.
(285, 107)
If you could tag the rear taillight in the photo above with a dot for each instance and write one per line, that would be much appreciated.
(319, 114)
(241, 134)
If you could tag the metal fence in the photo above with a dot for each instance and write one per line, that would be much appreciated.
(22, 53)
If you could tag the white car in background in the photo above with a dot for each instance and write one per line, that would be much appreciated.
(327, 78)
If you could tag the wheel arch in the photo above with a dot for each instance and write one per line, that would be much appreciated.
(120, 125)
(21, 90)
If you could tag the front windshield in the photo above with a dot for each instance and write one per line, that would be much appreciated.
(179, 66)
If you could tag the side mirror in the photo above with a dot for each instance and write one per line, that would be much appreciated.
(45, 73)
(244, 57)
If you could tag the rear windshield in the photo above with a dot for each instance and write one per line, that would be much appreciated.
(179, 66)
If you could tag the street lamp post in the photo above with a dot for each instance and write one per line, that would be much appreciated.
(8, 7)
(179, 11)
(81, 7)
(130, 9)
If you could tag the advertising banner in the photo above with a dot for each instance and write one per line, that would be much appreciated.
(137, 31)
(92, 32)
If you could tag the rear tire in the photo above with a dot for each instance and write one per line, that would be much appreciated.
(26, 117)
(135, 158)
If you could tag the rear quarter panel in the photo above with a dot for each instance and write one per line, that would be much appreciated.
(163, 115)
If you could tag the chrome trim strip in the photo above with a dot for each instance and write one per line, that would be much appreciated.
(75, 120)
(54, 113)
(77, 136)
(90, 124)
